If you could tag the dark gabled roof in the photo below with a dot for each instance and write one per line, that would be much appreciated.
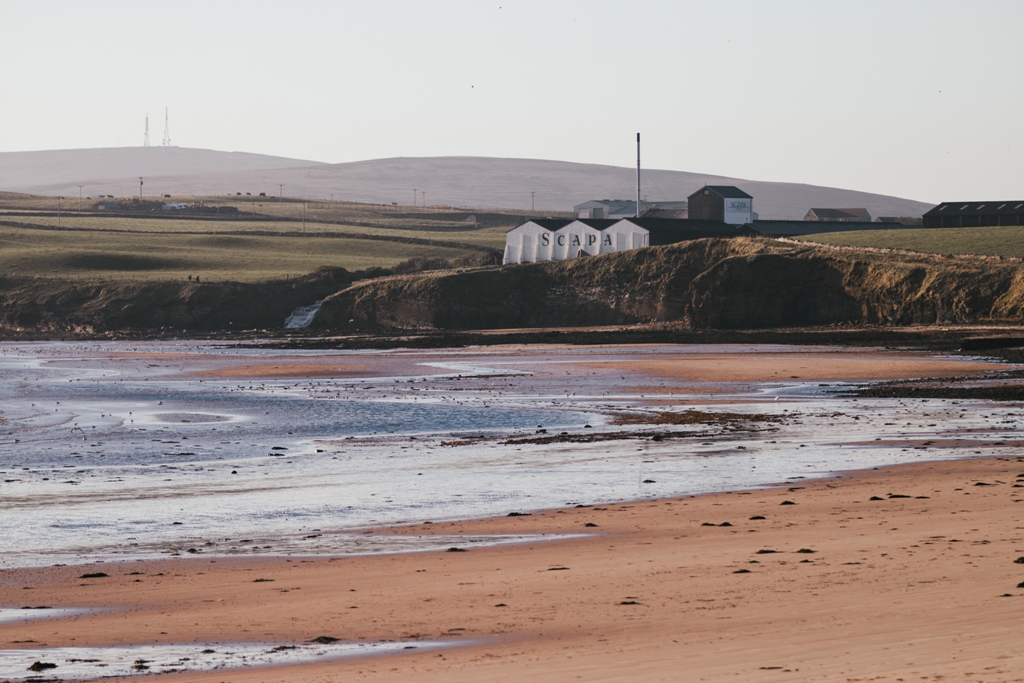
(997, 208)
(727, 191)
(666, 213)
(838, 213)
(548, 223)
(597, 223)
(672, 230)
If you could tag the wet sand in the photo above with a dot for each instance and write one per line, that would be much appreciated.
(803, 365)
(907, 588)
(917, 587)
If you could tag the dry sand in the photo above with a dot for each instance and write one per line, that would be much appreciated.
(907, 588)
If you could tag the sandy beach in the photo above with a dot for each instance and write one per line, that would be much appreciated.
(897, 573)
(922, 586)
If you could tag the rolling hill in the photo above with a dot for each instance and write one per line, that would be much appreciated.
(477, 182)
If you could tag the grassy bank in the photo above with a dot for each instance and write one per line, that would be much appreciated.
(1005, 241)
(159, 255)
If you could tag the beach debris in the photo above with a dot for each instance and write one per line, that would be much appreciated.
(766, 551)
(262, 580)
(93, 575)
(519, 514)
(742, 571)
(501, 604)
(558, 569)
(983, 483)
(725, 524)
(787, 502)
(42, 666)
(592, 524)
(1020, 585)
(756, 517)
(453, 549)
(876, 498)
(629, 602)
(323, 640)
(649, 481)
(806, 551)
(282, 648)
(898, 495)
(1019, 560)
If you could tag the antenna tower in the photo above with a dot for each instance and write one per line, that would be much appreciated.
(145, 140)
(167, 130)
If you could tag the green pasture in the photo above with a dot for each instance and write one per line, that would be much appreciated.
(481, 237)
(1005, 241)
(161, 255)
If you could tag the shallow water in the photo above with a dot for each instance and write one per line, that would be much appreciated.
(126, 451)
(80, 663)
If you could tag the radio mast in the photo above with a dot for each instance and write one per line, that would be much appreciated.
(167, 130)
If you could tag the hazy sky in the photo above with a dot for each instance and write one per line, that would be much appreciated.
(916, 99)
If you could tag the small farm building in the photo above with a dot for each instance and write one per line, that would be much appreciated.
(724, 203)
(838, 215)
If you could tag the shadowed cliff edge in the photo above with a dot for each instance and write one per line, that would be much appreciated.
(709, 283)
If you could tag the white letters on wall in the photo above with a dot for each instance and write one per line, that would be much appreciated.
(530, 242)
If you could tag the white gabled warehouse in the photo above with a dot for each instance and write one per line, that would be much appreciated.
(532, 241)
(577, 238)
(624, 235)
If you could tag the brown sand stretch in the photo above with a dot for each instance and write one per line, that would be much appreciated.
(906, 573)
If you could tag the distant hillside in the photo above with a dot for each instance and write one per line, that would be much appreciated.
(477, 182)
(61, 170)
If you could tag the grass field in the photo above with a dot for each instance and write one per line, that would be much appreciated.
(1005, 241)
(155, 256)
(481, 237)
(275, 244)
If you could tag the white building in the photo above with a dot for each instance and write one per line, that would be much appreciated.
(531, 241)
(625, 208)
(558, 240)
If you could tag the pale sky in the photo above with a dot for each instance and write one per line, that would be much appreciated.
(922, 100)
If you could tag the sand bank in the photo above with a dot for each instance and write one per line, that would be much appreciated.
(915, 587)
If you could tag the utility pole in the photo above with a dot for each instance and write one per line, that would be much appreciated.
(79, 199)
(424, 193)
(140, 188)
(638, 175)
(531, 202)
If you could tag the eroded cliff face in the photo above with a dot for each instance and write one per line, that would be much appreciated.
(70, 307)
(704, 284)
(723, 284)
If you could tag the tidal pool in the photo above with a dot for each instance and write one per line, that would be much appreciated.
(85, 663)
